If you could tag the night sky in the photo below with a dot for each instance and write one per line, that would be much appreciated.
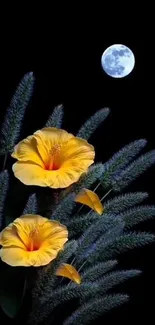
(68, 71)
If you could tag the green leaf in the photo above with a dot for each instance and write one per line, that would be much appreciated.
(94, 308)
(120, 160)
(55, 119)
(4, 184)
(88, 179)
(12, 289)
(134, 170)
(93, 123)
(124, 201)
(78, 225)
(15, 113)
(94, 272)
(31, 205)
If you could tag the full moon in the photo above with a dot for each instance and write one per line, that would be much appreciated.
(118, 61)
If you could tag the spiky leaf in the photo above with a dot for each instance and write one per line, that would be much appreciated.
(31, 205)
(78, 225)
(109, 281)
(97, 229)
(4, 184)
(138, 214)
(94, 272)
(93, 175)
(135, 169)
(56, 118)
(47, 277)
(93, 123)
(124, 201)
(119, 245)
(120, 160)
(64, 208)
(14, 115)
(94, 308)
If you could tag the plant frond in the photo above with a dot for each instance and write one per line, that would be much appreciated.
(135, 169)
(94, 308)
(120, 160)
(124, 201)
(56, 118)
(31, 205)
(93, 123)
(15, 113)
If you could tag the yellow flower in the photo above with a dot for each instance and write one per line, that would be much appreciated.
(69, 271)
(32, 240)
(52, 157)
(91, 199)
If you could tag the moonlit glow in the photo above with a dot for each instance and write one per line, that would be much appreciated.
(118, 61)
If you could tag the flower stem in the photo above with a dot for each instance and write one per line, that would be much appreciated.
(73, 260)
(5, 159)
(97, 187)
(82, 266)
(106, 195)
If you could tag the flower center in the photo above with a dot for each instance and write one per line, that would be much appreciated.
(34, 242)
(54, 160)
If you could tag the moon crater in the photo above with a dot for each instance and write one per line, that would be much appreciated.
(118, 61)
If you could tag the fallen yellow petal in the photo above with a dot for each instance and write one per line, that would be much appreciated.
(69, 271)
(90, 199)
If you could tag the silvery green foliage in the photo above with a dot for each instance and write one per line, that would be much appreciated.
(65, 294)
(94, 308)
(11, 127)
(4, 185)
(76, 226)
(98, 228)
(93, 175)
(31, 205)
(110, 249)
(109, 281)
(124, 201)
(64, 208)
(135, 169)
(56, 118)
(104, 239)
(94, 272)
(57, 297)
(47, 278)
(120, 160)
(138, 214)
(93, 123)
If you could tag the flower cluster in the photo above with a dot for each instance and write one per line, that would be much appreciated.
(52, 158)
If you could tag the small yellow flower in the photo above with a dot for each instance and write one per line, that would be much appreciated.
(52, 157)
(32, 240)
(69, 271)
(90, 199)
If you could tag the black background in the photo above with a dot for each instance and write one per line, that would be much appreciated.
(68, 70)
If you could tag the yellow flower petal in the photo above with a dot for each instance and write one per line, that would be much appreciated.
(26, 150)
(90, 199)
(32, 240)
(78, 149)
(13, 256)
(52, 157)
(19, 257)
(47, 138)
(29, 174)
(69, 271)
(9, 237)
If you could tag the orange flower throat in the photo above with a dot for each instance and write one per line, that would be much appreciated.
(34, 241)
(54, 160)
